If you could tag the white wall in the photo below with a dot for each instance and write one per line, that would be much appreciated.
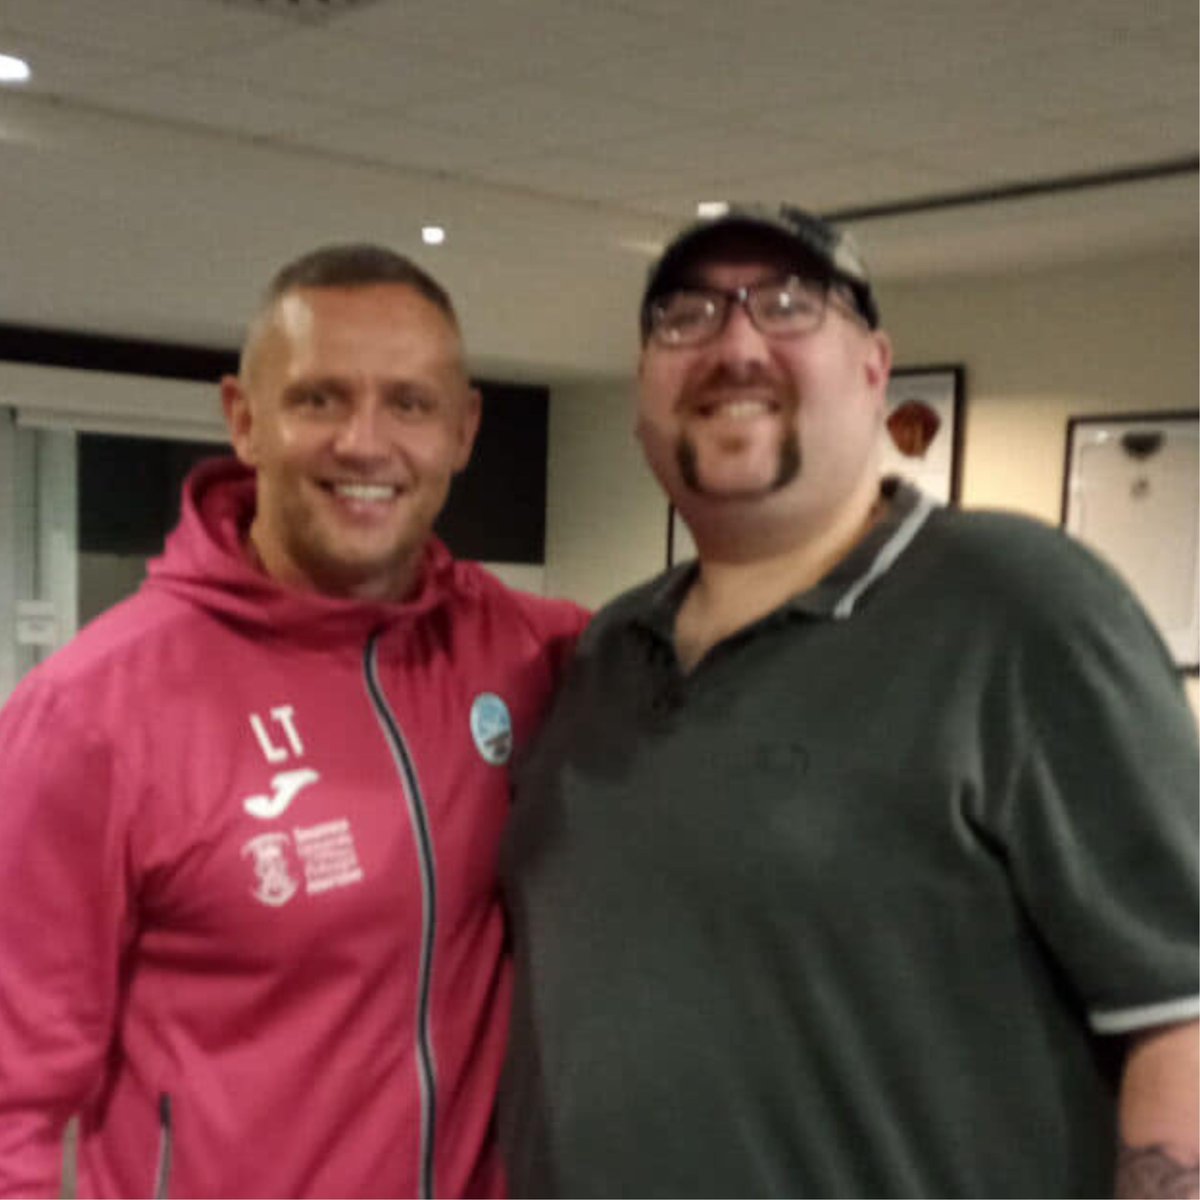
(606, 520)
(1111, 336)
(1040, 347)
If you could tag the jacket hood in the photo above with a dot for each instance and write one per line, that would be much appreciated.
(205, 563)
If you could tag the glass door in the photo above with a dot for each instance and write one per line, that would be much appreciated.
(81, 514)
(38, 577)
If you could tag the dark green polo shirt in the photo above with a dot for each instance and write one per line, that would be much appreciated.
(848, 910)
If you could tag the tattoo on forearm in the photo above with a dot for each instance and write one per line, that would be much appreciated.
(1156, 1173)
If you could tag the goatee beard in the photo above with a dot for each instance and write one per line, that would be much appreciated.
(788, 468)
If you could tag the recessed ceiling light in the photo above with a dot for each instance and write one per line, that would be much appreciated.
(13, 70)
(433, 235)
(709, 209)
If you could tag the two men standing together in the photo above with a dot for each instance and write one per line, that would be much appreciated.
(856, 859)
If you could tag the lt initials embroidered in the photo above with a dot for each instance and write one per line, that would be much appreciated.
(281, 716)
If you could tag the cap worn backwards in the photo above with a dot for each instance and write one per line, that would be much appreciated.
(819, 247)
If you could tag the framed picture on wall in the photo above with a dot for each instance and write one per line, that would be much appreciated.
(924, 429)
(1129, 492)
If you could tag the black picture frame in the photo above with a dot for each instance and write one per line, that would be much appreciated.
(924, 428)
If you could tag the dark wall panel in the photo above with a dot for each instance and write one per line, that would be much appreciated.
(129, 490)
(497, 506)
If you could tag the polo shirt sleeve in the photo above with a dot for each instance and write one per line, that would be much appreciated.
(1098, 814)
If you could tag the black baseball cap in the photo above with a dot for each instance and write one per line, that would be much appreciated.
(821, 251)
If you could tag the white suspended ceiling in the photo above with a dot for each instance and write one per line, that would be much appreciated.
(168, 154)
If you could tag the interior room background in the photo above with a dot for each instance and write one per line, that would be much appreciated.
(1022, 178)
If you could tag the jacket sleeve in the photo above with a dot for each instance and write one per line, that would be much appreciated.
(64, 921)
(558, 626)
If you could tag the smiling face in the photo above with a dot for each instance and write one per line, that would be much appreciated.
(354, 409)
(752, 434)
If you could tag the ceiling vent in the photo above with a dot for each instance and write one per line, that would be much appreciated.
(304, 11)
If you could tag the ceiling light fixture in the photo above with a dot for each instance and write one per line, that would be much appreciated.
(433, 235)
(13, 69)
(709, 210)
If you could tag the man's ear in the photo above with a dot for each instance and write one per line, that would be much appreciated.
(468, 427)
(878, 362)
(239, 418)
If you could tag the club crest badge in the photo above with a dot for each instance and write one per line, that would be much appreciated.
(491, 727)
(274, 883)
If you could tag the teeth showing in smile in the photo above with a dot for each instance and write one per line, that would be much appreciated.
(376, 492)
(738, 410)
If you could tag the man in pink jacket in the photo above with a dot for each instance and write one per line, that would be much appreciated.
(249, 923)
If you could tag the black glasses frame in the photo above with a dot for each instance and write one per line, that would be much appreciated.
(746, 297)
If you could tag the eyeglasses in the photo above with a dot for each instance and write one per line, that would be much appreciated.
(778, 308)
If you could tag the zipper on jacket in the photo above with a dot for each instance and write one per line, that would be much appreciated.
(418, 817)
(162, 1173)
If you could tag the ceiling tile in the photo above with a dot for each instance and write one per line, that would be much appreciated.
(61, 69)
(388, 138)
(707, 150)
(578, 177)
(532, 116)
(1061, 148)
(152, 30)
(223, 104)
(322, 63)
(538, 37)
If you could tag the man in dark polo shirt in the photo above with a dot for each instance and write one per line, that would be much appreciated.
(859, 858)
